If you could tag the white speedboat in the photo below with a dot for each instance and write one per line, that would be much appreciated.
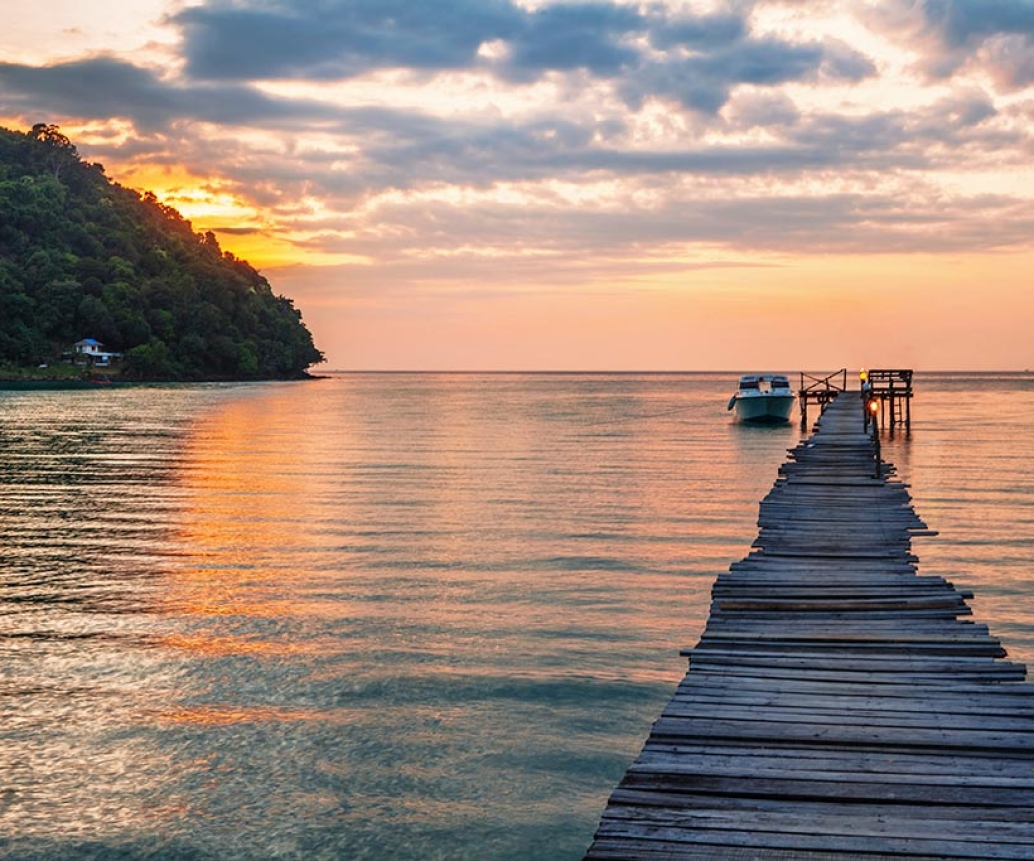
(763, 398)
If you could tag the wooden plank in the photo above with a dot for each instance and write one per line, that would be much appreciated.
(1009, 696)
(830, 732)
(735, 672)
(972, 839)
(746, 759)
(966, 725)
(867, 699)
(930, 827)
(674, 843)
(903, 808)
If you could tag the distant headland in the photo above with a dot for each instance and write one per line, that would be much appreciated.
(98, 282)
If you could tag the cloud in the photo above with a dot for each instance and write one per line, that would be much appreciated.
(695, 60)
(952, 35)
(698, 33)
(494, 244)
(382, 150)
(704, 81)
(347, 39)
(102, 87)
(756, 110)
(334, 40)
(595, 37)
(106, 87)
(967, 22)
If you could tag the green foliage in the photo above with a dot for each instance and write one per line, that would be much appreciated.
(81, 256)
(152, 360)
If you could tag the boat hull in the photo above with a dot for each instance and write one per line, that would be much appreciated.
(764, 408)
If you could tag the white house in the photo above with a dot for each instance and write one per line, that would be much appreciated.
(92, 351)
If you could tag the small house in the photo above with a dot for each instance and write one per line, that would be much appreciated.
(90, 351)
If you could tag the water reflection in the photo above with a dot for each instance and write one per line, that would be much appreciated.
(396, 615)
(84, 526)
(417, 590)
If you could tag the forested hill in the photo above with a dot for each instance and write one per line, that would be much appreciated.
(83, 257)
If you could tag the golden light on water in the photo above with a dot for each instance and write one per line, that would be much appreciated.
(229, 715)
(239, 517)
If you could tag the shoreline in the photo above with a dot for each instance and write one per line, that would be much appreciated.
(71, 384)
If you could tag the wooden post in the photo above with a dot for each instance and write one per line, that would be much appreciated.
(893, 407)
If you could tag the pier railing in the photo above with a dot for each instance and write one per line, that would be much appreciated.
(819, 390)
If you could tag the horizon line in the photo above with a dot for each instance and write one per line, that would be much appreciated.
(569, 371)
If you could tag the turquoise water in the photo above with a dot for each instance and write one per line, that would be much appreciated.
(401, 616)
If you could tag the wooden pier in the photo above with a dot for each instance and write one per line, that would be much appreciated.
(837, 706)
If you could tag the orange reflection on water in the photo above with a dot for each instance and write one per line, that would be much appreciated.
(222, 646)
(229, 715)
(247, 481)
(243, 536)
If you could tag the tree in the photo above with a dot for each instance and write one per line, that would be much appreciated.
(151, 361)
(57, 150)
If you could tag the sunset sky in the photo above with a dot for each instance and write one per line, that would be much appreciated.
(533, 184)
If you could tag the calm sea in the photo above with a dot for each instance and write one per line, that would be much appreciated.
(383, 616)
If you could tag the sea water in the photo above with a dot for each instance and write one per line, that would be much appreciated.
(381, 616)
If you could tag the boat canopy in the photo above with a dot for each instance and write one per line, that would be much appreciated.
(754, 381)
